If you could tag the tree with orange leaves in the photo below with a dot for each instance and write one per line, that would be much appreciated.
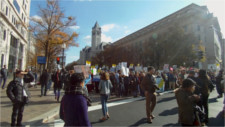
(52, 30)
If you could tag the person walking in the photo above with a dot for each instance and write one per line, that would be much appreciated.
(44, 79)
(4, 74)
(186, 101)
(73, 108)
(105, 86)
(149, 87)
(57, 79)
(18, 94)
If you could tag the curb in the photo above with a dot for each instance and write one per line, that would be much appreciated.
(51, 114)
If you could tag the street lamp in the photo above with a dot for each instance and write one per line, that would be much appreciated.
(63, 47)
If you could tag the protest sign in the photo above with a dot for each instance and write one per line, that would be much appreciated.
(82, 69)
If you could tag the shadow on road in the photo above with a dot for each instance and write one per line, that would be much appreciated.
(166, 99)
(172, 111)
(213, 100)
(138, 123)
(171, 125)
(218, 121)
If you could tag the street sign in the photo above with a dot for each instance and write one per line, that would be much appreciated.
(41, 59)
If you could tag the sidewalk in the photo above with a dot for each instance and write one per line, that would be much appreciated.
(39, 109)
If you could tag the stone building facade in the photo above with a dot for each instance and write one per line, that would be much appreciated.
(14, 20)
(96, 45)
(193, 19)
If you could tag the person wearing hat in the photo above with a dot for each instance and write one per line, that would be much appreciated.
(18, 93)
(186, 101)
(73, 108)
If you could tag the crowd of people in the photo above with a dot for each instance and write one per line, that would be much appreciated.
(191, 87)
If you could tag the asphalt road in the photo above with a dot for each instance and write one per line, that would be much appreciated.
(166, 112)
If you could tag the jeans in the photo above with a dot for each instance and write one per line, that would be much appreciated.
(57, 93)
(104, 99)
(43, 89)
(49, 84)
(121, 90)
(4, 82)
(17, 113)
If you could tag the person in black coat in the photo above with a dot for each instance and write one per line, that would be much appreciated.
(44, 82)
(18, 93)
(219, 78)
(57, 79)
(4, 74)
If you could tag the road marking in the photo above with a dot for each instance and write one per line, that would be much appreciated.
(60, 123)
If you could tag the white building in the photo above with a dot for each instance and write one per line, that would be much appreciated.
(96, 45)
(14, 18)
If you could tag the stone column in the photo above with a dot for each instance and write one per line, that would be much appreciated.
(17, 54)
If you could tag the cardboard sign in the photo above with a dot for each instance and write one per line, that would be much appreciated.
(82, 69)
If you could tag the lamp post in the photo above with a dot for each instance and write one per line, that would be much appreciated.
(63, 47)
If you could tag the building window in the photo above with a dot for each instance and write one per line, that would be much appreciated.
(16, 5)
(13, 42)
(25, 7)
(12, 18)
(6, 11)
(4, 35)
(22, 15)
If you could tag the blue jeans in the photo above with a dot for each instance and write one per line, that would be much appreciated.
(49, 84)
(4, 82)
(104, 99)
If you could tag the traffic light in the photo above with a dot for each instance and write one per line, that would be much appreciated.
(200, 55)
(57, 60)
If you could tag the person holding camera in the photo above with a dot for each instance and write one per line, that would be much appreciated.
(186, 101)
(18, 93)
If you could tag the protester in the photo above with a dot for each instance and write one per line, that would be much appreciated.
(136, 85)
(4, 75)
(181, 77)
(172, 80)
(104, 86)
(18, 93)
(73, 108)
(141, 77)
(148, 85)
(44, 79)
(57, 79)
(126, 85)
(121, 85)
(49, 81)
(219, 78)
(186, 101)
(206, 87)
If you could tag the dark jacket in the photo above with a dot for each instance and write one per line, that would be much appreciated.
(206, 86)
(186, 103)
(44, 78)
(15, 89)
(4, 73)
(57, 79)
(149, 83)
(74, 110)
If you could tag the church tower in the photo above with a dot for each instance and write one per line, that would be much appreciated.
(96, 36)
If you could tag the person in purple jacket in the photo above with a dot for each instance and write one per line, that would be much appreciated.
(73, 108)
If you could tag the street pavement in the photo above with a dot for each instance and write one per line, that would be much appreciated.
(133, 113)
(39, 109)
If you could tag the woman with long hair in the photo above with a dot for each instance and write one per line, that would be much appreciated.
(105, 87)
(206, 87)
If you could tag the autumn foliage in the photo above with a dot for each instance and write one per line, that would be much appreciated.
(51, 30)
